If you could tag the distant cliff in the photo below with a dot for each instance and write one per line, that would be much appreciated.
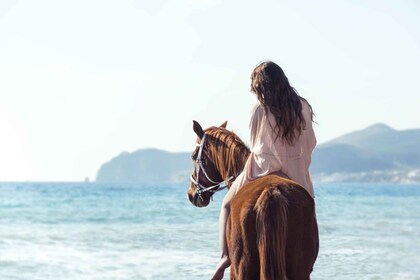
(375, 154)
(147, 166)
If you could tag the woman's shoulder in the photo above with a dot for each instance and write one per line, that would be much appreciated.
(257, 116)
(306, 107)
(256, 107)
(304, 102)
(257, 110)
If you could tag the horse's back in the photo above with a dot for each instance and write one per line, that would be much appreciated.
(301, 247)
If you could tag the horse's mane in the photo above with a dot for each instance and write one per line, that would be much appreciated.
(229, 153)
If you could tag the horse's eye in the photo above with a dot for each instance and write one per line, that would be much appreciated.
(204, 161)
(194, 155)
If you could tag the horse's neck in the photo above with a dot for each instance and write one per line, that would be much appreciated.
(230, 156)
(237, 164)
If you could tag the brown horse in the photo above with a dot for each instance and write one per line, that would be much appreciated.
(272, 232)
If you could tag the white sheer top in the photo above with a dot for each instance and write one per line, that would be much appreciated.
(269, 155)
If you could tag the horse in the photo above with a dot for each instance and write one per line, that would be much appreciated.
(271, 232)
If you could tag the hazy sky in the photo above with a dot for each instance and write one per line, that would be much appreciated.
(82, 81)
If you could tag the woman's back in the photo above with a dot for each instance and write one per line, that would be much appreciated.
(270, 153)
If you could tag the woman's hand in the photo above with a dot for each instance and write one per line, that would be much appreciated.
(224, 263)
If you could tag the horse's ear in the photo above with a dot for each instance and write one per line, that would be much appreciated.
(224, 124)
(198, 129)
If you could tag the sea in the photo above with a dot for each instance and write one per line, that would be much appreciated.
(137, 231)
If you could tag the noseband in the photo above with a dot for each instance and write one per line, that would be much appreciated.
(198, 164)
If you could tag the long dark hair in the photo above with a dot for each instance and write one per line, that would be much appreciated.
(275, 93)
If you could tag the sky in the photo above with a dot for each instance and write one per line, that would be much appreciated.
(82, 81)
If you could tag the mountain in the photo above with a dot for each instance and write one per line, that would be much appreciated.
(146, 166)
(377, 153)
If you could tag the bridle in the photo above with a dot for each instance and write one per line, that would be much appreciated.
(198, 166)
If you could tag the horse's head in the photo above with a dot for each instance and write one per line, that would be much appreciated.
(206, 179)
(213, 170)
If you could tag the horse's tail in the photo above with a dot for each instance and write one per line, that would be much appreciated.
(271, 220)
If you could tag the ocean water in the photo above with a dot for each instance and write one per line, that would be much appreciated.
(104, 231)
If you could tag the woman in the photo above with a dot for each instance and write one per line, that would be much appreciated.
(282, 140)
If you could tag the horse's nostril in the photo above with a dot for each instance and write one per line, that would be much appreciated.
(196, 201)
(190, 197)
